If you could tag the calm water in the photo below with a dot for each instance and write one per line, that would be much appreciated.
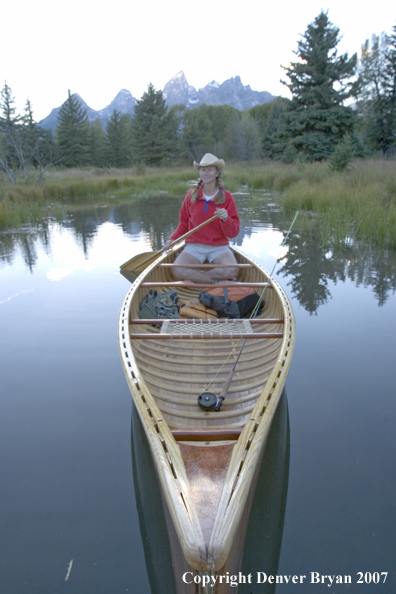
(75, 475)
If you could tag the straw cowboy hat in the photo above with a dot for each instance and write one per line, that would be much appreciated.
(210, 160)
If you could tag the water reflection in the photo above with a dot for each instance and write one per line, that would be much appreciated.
(309, 264)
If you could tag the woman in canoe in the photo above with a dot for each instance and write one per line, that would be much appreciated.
(211, 242)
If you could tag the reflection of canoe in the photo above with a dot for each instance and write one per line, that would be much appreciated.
(207, 462)
(265, 527)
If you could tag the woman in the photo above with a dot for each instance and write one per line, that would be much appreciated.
(212, 241)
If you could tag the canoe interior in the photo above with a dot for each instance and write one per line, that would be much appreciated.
(177, 371)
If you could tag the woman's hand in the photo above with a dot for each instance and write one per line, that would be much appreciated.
(167, 244)
(222, 214)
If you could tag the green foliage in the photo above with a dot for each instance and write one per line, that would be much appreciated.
(290, 154)
(261, 114)
(244, 142)
(206, 129)
(97, 143)
(72, 133)
(274, 134)
(23, 141)
(319, 83)
(377, 94)
(38, 143)
(155, 127)
(343, 155)
(119, 139)
(10, 125)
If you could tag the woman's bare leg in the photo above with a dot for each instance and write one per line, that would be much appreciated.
(191, 274)
(223, 273)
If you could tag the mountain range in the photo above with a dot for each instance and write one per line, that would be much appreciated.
(177, 90)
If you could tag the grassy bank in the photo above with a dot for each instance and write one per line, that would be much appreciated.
(361, 201)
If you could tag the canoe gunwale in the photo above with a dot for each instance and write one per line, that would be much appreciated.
(247, 452)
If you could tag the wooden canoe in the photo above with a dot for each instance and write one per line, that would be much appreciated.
(207, 462)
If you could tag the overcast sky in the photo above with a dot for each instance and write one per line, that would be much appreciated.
(96, 49)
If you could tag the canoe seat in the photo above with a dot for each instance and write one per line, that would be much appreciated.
(206, 434)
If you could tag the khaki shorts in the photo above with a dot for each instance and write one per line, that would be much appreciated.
(206, 252)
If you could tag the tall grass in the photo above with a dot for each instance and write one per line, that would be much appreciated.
(361, 201)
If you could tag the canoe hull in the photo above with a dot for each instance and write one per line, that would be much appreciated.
(207, 486)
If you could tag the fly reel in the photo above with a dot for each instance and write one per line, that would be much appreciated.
(207, 401)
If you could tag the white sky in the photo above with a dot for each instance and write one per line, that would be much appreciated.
(96, 48)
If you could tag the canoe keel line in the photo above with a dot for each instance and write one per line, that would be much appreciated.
(207, 462)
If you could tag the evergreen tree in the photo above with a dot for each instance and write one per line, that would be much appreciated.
(343, 155)
(319, 84)
(10, 125)
(377, 95)
(72, 132)
(197, 138)
(97, 142)
(155, 128)
(273, 141)
(119, 139)
(38, 145)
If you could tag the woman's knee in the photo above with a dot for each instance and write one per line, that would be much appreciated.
(179, 272)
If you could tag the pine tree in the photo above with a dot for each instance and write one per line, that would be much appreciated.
(320, 82)
(377, 96)
(72, 132)
(11, 126)
(343, 155)
(155, 127)
(119, 139)
(390, 85)
(97, 143)
(30, 134)
(273, 141)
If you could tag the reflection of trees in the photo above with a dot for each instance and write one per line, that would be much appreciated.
(309, 269)
(311, 264)
(156, 217)
(85, 224)
(375, 268)
(26, 241)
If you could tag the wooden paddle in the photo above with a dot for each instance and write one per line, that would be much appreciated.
(138, 263)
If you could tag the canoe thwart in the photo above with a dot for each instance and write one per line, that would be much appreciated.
(191, 285)
(206, 434)
(155, 321)
(169, 265)
(207, 335)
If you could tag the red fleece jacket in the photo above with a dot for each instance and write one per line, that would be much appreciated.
(215, 233)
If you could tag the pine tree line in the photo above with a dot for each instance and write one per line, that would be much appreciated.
(316, 124)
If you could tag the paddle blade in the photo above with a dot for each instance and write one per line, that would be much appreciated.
(130, 275)
(137, 264)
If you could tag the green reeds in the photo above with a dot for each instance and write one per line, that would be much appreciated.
(361, 202)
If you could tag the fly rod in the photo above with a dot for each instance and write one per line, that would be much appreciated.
(209, 401)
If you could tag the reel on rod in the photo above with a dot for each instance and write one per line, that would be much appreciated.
(207, 401)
